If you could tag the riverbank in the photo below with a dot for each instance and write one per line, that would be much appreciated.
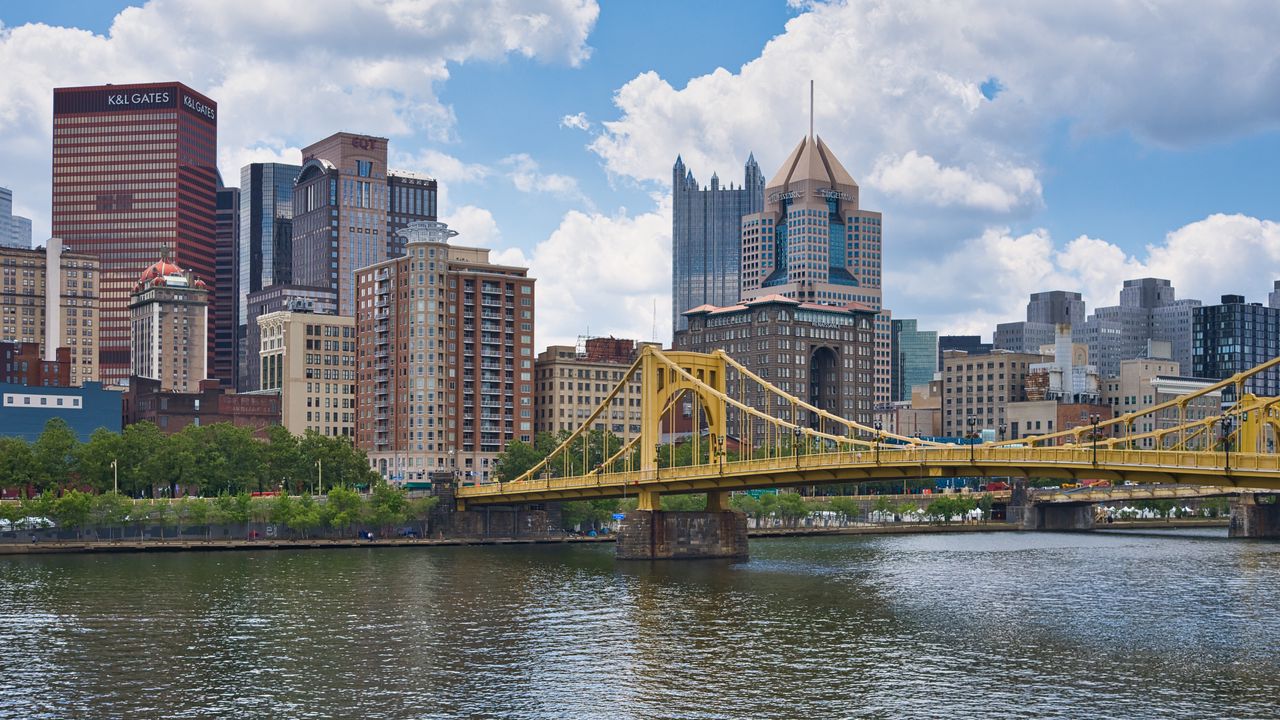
(53, 547)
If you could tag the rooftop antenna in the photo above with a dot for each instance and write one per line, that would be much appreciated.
(811, 108)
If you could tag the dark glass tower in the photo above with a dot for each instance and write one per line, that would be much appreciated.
(263, 256)
(706, 238)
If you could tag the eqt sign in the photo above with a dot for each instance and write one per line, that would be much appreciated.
(364, 143)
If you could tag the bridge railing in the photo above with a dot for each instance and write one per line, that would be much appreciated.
(978, 460)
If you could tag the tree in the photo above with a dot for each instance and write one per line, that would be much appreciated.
(905, 508)
(281, 510)
(282, 459)
(305, 516)
(161, 513)
(71, 511)
(388, 506)
(17, 464)
(420, 510)
(846, 508)
(110, 510)
(342, 508)
(883, 506)
(791, 508)
(515, 460)
(54, 454)
(138, 444)
(93, 459)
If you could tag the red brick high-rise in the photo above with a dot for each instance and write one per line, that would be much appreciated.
(134, 181)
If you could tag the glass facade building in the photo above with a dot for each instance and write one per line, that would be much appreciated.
(15, 230)
(264, 247)
(222, 311)
(1235, 336)
(915, 358)
(134, 181)
(706, 240)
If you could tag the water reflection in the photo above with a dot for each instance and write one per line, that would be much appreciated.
(1107, 625)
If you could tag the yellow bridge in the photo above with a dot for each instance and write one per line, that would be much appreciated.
(745, 433)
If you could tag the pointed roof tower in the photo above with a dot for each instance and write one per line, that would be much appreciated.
(811, 160)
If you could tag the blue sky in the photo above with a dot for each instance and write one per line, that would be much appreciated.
(1123, 141)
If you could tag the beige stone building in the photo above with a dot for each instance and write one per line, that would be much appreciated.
(980, 387)
(50, 297)
(310, 359)
(1145, 382)
(572, 381)
(169, 323)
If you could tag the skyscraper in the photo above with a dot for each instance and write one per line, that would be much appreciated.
(134, 179)
(915, 358)
(706, 238)
(1045, 311)
(347, 208)
(15, 230)
(1148, 310)
(222, 305)
(444, 358)
(813, 243)
(1234, 336)
(264, 248)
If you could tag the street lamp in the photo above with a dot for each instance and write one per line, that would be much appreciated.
(115, 476)
(879, 427)
(1093, 419)
(973, 422)
(320, 475)
(795, 445)
(1227, 425)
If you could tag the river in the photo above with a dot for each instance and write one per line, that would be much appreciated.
(1010, 625)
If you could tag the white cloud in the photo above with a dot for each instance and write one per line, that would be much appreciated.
(603, 274)
(578, 121)
(920, 177)
(476, 227)
(987, 279)
(304, 69)
(527, 176)
(899, 99)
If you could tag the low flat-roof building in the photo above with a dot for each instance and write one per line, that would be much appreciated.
(172, 411)
(24, 409)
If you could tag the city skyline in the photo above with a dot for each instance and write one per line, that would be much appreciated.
(1042, 170)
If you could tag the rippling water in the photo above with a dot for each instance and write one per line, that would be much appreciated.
(984, 626)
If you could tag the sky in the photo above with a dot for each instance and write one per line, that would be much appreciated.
(1013, 147)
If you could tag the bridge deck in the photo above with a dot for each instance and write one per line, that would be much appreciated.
(1246, 470)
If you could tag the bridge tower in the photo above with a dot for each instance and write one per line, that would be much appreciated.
(649, 532)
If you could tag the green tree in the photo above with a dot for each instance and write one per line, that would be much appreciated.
(282, 460)
(54, 454)
(884, 507)
(110, 510)
(71, 511)
(388, 506)
(905, 508)
(93, 459)
(684, 503)
(281, 510)
(305, 516)
(198, 513)
(847, 508)
(162, 514)
(342, 508)
(139, 443)
(419, 510)
(17, 464)
(515, 460)
(791, 508)
(39, 506)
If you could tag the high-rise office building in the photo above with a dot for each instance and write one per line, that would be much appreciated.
(812, 242)
(49, 296)
(347, 208)
(169, 312)
(820, 353)
(1045, 312)
(444, 358)
(222, 305)
(706, 238)
(15, 230)
(134, 179)
(915, 358)
(1148, 310)
(264, 253)
(1234, 336)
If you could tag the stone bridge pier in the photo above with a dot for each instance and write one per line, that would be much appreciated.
(651, 533)
(1058, 516)
(1251, 519)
